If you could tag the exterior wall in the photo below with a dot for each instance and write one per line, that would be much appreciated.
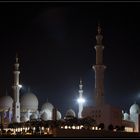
(115, 116)
(135, 119)
(129, 124)
(93, 134)
(104, 114)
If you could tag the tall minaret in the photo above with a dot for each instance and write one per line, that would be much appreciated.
(99, 70)
(80, 99)
(16, 88)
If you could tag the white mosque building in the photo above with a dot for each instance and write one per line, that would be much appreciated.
(25, 108)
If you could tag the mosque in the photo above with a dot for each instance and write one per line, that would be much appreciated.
(22, 109)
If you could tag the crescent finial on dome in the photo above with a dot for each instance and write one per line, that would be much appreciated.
(47, 100)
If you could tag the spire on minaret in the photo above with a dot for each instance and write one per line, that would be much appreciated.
(17, 63)
(80, 85)
(99, 37)
(16, 58)
(80, 81)
(99, 28)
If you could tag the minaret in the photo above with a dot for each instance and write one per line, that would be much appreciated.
(80, 99)
(99, 70)
(16, 88)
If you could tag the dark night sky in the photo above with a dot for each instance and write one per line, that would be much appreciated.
(55, 43)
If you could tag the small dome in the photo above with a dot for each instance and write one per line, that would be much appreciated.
(33, 117)
(27, 114)
(48, 106)
(37, 112)
(29, 101)
(58, 115)
(70, 113)
(24, 119)
(6, 103)
(134, 109)
(44, 116)
(126, 116)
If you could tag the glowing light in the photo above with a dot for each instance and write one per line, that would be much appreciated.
(42, 128)
(73, 127)
(78, 127)
(18, 129)
(66, 127)
(128, 129)
(81, 126)
(20, 86)
(96, 128)
(81, 100)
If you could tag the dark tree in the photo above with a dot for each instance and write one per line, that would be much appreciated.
(122, 128)
(118, 128)
(101, 125)
(110, 127)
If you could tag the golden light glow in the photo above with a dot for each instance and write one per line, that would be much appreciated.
(73, 127)
(128, 129)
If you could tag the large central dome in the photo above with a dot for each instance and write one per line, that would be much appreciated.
(29, 101)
